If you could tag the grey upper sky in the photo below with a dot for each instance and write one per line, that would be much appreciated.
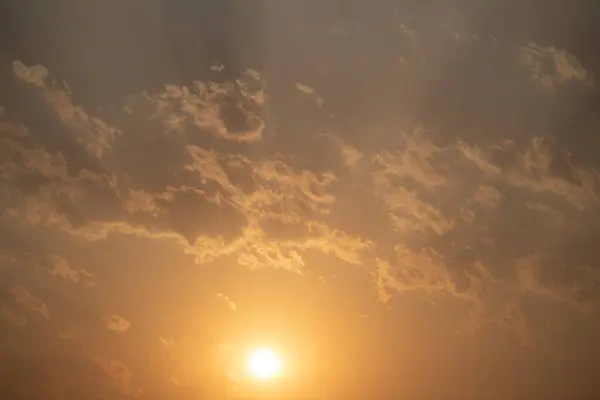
(401, 196)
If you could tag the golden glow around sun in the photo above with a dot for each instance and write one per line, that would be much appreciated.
(264, 364)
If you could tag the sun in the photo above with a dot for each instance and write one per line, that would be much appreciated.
(264, 364)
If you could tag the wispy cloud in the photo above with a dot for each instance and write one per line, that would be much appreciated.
(24, 297)
(61, 268)
(448, 205)
(552, 67)
(309, 91)
(119, 374)
(95, 135)
(117, 324)
(227, 301)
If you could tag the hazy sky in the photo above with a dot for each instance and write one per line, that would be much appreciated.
(400, 196)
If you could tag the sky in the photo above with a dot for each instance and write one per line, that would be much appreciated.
(402, 197)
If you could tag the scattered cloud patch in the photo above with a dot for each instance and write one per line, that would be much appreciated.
(119, 375)
(117, 324)
(61, 268)
(217, 67)
(230, 303)
(552, 67)
(24, 298)
(212, 189)
(169, 342)
(94, 134)
(309, 91)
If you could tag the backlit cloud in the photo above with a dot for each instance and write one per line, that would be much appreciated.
(427, 190)
(552, 67)
(159, 217)
(117, 323)
(24, 298)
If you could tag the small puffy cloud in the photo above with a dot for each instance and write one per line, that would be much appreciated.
(230, 303)
(311, 92)
(252, 87)
(213, 108)
(408, 212)
(35, 74)
(167, 342)
(61, 268)
(217, 67)
(24, 297)
(351, 154)
(487, 196)
(117, 324)
(406, 30)
(412, 161)
(552, 67)
(119, 375)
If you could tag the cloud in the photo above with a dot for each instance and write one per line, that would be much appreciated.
(235, 193)
(409, 213)
(167, 342)
(449, 215)
(488, 299)
(117, 324)
(413, 161)
(487, 196)
(351, 155)
(534, 168)
(95, 135)
(24, 297)
(534, 171)
(482, 193)
(445, 186)
(217, 67)
(423, 270)
(227, 301)
(252, 87)
(552, 67)
(119, 374)
(229, 111)
(309, 91)
(567, 293)
(61, 268)
(35, 74)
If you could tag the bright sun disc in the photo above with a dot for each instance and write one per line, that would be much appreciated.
(264, 364)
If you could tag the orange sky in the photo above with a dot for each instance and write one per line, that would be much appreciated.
(400, 197)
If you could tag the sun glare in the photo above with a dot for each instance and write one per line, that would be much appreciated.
(264, 364)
